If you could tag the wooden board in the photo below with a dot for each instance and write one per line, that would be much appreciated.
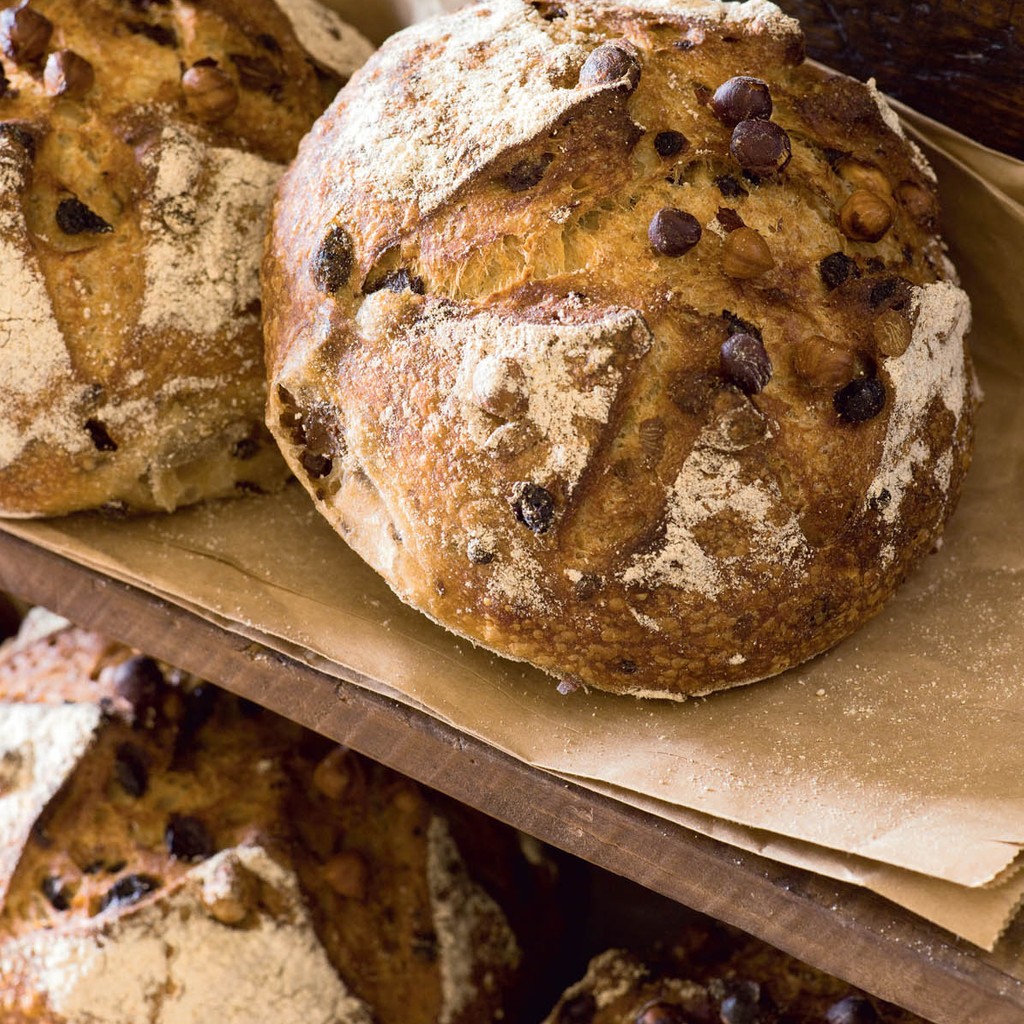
(839, 928)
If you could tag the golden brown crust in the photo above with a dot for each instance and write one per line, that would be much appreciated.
(139, 145)
(502, 377)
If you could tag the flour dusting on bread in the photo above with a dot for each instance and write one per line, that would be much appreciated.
(567, 377)
(206, 229)
(711, 483)
(169, 961)
(40, 745)
(331, 42)
(33, 356)
(466, 919)
(931, 370)
(447, 128)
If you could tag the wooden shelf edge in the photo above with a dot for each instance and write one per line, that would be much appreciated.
(839, 928)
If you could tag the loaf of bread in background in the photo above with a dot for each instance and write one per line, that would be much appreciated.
(169, 852)
(750, 984)
(140, 142)
(620, 340)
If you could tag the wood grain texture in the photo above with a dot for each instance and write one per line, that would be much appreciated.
(958, 61)
(836, 927)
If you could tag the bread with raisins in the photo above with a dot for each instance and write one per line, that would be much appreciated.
(756, 985)
(140, 142)
(168, 852)
(619, 340)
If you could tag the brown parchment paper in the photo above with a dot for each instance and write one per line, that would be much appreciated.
(893, 762)
(979, 914)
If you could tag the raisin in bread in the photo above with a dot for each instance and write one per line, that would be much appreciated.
(140, 143)
(168, 852)
(761, 988)
(619, 340)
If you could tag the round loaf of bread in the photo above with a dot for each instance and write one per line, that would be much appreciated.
(755, 984)
(619, 340)
(169, 853)
(140, 143)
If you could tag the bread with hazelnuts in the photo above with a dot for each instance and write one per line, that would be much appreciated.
(140, 142)
(755, 984)
(620, 340)
(170, 853)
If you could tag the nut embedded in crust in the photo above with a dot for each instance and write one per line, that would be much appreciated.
(821, 364)
(745, 254)
(865, 176)
(761, 147)
(24, 33)
(67, 74)
(918, 202)
(610, 63)
(865, 216)
(347, 875)
(210, 92)
(740, 99)
(892, 333)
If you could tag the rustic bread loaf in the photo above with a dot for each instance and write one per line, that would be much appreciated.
(756, 986)
(140, 142)
(170, 853)
(619, 340)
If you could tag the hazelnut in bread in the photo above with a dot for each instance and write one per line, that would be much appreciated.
(170, 853)
(619, 340)
(140, 143)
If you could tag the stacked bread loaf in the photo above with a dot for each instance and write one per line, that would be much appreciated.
(170, 853)
(752, 985)
(140, 142)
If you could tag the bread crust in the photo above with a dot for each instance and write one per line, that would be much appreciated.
(511, 397)
(132, 206)
(751, 980)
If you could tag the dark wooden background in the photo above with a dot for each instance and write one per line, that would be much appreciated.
(959, 61)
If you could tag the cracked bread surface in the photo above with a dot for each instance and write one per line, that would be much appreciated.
(603, 362)
(140, 143)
